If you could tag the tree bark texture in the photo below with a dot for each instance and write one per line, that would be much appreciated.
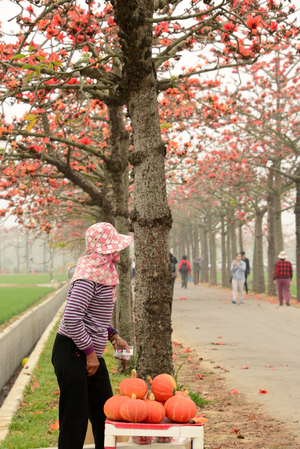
(151, 217)
(297, 215)
(118, 168)
(260, 281)
(271, 239)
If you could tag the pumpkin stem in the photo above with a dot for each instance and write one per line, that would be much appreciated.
(149, 380)
(151, 396)
(133, 374)
(133, 396)
(185, 393)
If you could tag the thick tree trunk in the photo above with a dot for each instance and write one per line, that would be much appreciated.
(151, 217)
(118, 168)
(297, 216)
(271, 239)
(260, 282)
(223, 250)
(213, 255)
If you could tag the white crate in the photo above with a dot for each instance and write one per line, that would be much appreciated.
(182, 433)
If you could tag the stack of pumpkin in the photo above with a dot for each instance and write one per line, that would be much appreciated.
(133, 403)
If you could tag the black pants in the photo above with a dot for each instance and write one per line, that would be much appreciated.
(246, 285)
(81, 397)
(196, 277)
(184, 279)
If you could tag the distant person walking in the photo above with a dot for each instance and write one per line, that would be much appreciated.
(184, 268)
(196, 268)
(173, 262)
(247, 272)
(283, 274)
(238, 268)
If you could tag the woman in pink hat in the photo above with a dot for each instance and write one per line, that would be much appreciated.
(82, 338)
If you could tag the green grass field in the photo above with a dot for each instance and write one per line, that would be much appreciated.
(14, 300)
(31, 279)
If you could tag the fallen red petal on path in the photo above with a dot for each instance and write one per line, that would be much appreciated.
(55, 426)
(187, 350)
(261, 391)
(234, 391)
(244, 367)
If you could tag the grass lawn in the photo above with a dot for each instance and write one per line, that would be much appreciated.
(31, 426)
(30, 279)
(14, 300)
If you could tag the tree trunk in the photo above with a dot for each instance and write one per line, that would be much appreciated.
(297, 216)
(196, 241)
(229, 258)
(204, 247)
(241, 246)
(271, 239)
(213, 256)
(233, 238)
(151, 216)
(223, 250)
(260, 282)
(279, 245)
(118, 168)
(254, 267)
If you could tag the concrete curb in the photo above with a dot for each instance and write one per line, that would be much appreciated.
(15, 395)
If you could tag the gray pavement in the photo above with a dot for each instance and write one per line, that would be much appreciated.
(257, 334)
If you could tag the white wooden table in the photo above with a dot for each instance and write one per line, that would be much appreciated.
(182, 433)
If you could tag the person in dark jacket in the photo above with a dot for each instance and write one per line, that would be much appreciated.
(184, 268)
(173, 262)
(197, 267)
(283, 274)
(247, 272)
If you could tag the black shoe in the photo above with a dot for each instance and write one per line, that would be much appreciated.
(281, 304)
(287, 303)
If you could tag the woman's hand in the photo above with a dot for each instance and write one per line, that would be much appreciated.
(275, 282)
(92, 363)
(122, 344)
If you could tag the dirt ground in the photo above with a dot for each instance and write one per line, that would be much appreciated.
(233, 421)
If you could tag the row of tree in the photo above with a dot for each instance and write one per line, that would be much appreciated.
(90, 78)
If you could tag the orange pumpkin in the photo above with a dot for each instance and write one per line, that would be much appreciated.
(134, 410)
(112, 407)
(163, 386)
(134, 385)
(156, 411)
(180, 408)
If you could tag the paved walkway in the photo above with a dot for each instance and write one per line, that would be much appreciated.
(257, 334)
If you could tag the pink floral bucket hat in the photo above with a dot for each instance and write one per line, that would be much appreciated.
(103, 238)
(103, 244)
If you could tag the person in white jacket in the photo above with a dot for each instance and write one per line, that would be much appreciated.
(238, 268)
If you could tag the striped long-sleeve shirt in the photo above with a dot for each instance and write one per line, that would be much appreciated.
(87, 315)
